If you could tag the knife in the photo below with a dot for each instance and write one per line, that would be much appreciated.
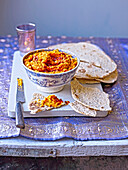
(20, 98)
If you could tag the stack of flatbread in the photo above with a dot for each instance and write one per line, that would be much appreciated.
(95, 66)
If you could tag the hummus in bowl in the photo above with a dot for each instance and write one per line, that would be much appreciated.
(50, 69)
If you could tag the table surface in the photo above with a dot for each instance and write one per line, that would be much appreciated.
(23, 147)
(20, 146)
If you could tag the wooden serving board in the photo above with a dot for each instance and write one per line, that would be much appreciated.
(30, 88)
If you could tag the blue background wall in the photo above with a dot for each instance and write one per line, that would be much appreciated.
(98, 18)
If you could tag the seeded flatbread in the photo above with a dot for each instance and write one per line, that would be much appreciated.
(91, 55)
(90, 97)
(80, 108)
(35, 106)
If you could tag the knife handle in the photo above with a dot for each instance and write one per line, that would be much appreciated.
(19, 116)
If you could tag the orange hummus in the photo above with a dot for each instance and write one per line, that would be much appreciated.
(20, 82)
(50, 62)
(52, 101)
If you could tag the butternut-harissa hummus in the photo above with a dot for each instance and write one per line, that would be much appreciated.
(50, 61)
(51, 101)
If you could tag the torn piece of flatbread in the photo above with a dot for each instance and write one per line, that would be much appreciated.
(35, 105)
(93, 56)
(80, 108)
(90, 97)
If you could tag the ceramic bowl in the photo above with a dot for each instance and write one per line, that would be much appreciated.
(50, 82)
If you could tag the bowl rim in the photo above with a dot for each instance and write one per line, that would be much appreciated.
(51, 74)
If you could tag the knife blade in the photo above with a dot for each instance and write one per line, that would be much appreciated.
(20, 99)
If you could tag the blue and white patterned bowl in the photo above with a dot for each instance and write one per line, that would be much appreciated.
(50, 82)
